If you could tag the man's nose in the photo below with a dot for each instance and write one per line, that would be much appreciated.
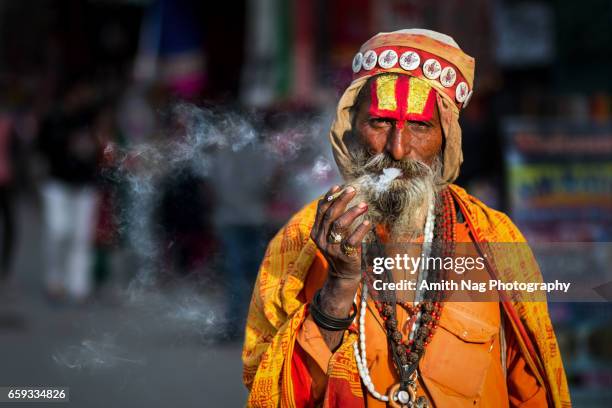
(397, 145)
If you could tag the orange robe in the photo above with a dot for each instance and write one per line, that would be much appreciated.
(285, 359)
(469, 342)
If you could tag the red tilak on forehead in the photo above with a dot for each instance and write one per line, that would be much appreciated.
(392, 98)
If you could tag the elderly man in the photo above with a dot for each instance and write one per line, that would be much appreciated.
(318, 336)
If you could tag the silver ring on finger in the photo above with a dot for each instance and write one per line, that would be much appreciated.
(334, 237)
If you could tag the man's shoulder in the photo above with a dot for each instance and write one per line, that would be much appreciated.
(306, 215)
(304, 218)
(474, 205)
(299, 225)
(495, 224)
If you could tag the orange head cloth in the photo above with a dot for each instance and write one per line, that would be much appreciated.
(433, 72)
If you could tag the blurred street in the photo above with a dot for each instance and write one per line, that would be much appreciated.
(120, 356)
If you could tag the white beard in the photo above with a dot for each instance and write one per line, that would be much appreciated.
(396, 199)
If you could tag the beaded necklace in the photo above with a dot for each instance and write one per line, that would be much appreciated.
(424, 313)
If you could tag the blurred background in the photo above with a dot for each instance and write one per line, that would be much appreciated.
(150, 149)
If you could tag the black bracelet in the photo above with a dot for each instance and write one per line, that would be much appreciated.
(326, 321)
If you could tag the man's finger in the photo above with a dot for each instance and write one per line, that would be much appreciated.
(336, 209)
(342, 223)
(359, 234)
(322, 206)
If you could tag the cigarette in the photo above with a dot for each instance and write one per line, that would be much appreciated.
(337, 194)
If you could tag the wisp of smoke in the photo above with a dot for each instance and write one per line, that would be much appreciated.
(197, 134)
(382, 182)
(191, 143)
(196, 313)
(91, 354)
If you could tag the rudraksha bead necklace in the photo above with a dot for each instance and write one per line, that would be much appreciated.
(424, 315)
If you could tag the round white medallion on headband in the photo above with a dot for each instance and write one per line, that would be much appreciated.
(369, 60)
(448, 76)
(432, 68)
(357, 61)
(387, 59)
(410, 60)
(461, 92)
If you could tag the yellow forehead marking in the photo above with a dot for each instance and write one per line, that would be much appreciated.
(385, 92)
(417, 95)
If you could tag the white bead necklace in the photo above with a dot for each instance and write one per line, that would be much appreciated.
(359, 347)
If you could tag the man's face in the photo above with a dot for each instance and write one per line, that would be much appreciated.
(400, 139)
(396, 145)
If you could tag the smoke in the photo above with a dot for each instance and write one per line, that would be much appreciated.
(192, 142)
(184, 311)
(379, 184)
(187, 145)
(321, 171)
(322, 168)
(197, 315)
(291, 139)
(202, 143)
(95, 354)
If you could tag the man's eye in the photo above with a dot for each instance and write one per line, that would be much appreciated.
(381, 121)
(420, 125)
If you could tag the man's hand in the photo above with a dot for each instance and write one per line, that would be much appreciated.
(334, 220)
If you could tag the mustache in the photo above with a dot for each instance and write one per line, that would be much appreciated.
(378, 162)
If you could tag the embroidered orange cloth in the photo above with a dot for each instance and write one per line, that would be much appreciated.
(278, 312)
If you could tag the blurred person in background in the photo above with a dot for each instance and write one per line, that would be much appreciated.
(188, 242)
(305, 345)
(184, 211)
(240, 216)
(111, 195)
(71, 152)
